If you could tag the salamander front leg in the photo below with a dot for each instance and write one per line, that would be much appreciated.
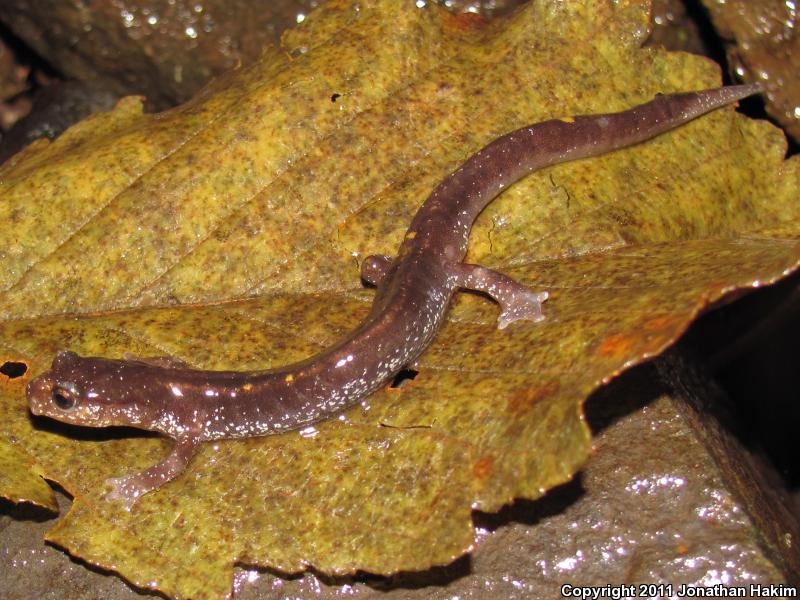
(516, 301)
(375, 267)
(130, 488)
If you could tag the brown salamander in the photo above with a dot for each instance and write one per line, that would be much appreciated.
(413, 292)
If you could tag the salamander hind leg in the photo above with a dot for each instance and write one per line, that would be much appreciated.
(130, 488)
(375, 267)
(516, 301)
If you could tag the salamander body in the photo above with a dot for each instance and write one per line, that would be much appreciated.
(413, 292)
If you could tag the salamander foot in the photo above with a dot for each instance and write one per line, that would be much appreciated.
(516, 301)
(125, 489)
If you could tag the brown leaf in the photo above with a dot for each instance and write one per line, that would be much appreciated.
(272, 186)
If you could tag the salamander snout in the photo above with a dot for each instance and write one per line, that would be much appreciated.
(50, 395)
(39, 393)
(46, 396)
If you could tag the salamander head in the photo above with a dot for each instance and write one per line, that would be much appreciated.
(95, 392)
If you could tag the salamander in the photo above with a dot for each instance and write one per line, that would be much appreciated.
(413, 291)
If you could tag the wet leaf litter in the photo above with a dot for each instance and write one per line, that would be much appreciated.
(631, 245)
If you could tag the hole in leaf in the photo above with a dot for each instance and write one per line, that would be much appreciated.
(404, 376)
(12, 369)
(335, 97)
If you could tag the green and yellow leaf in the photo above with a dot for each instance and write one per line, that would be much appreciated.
(227, 232)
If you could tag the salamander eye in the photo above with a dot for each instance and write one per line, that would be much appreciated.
(65, 395)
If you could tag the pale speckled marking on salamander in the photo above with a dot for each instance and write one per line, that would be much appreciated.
(413, 292)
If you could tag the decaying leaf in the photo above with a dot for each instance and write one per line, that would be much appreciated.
(19, 484)
(227, 232)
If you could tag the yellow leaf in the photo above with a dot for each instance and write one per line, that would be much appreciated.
(228, 231)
